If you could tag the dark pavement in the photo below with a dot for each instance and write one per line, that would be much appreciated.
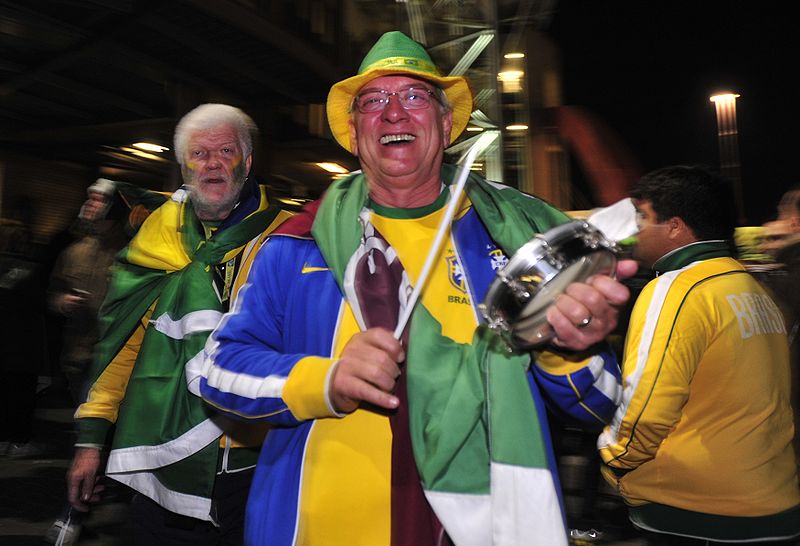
(33, 490)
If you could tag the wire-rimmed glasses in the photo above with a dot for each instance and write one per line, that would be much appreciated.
(411, 98)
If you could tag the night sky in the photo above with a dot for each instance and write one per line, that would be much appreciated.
(647, 68)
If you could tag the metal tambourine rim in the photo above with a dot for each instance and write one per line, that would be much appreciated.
(544, 257)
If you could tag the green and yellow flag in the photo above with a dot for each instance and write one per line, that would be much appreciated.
(166, 440)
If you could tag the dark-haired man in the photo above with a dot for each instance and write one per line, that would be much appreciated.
(700, 446)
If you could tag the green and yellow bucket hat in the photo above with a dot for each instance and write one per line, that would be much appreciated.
(396, 53)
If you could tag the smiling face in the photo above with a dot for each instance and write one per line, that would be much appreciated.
(401, 150)
(215, 169)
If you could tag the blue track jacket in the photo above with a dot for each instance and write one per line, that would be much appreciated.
(288, 310)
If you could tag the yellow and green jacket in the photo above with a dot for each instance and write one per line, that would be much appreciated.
(170, 287)
(701, 444)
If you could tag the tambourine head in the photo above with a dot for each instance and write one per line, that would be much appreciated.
(518, 299)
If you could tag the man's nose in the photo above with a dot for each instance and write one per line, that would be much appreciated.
(394, 110)
(213, 161)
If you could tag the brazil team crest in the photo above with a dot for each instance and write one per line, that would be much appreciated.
(499, 260)
(455, 273)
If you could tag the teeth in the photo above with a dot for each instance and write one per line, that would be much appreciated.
(386, 139)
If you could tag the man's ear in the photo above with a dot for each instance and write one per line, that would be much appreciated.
(353, 140)
(678, 230)
(248, 163)
(447, 127)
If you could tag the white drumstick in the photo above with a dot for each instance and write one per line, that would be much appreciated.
(444, 225)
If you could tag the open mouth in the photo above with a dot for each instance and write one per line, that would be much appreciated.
(397, 139)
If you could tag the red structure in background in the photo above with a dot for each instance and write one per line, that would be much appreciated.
(609, 165)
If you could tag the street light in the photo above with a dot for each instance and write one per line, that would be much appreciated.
(728, 138)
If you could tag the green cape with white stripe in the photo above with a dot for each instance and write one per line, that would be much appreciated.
(166, 440)
(475, 431)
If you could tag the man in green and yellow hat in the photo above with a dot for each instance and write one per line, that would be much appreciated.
(437, 437)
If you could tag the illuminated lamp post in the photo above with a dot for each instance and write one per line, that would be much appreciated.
(728, 138)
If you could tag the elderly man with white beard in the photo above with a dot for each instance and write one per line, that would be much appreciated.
(190, 467)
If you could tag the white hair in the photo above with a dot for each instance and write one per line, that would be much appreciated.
(208, 116)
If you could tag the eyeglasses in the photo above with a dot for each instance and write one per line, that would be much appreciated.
(411, 98)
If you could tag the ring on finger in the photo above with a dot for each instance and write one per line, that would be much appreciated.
(585, 322)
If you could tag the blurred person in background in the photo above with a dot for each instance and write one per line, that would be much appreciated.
(23, 349)
(785, 283)
(189, 466)
(701, 445)
(77, 287)
(80, 278)
(775, 236)
(782, 240)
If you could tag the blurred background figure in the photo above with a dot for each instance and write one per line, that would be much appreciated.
(775, 236)
(110, 216)
(782, 240)
(78, 285)
(80, 278)
(22, 333)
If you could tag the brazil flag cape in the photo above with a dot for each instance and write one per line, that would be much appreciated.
(166, 440)
(476, 431)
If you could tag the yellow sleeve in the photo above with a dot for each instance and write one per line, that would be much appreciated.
(562, 363)
(107, 392)
(666, 341)
(306, 390)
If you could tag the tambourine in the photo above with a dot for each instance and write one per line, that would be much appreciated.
(517, 301)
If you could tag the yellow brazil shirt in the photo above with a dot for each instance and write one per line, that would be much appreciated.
(346, 485)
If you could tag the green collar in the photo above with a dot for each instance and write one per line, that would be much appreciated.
(210, 227)
(683, 256)
(408, 214)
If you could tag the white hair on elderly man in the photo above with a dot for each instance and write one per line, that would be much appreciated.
(208, 116)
